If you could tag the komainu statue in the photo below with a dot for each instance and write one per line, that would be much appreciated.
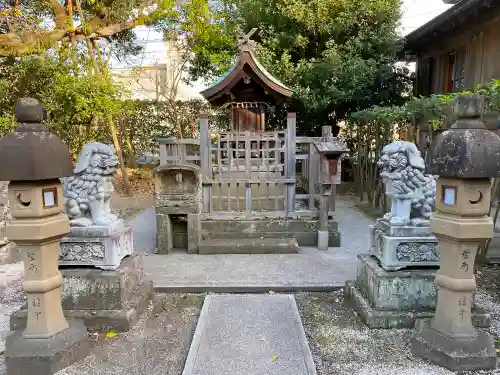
(412, 192)
(87, 193)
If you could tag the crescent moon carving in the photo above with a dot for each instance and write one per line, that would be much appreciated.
(479, 199)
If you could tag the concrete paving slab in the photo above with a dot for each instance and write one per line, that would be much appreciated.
(144, 231)
(309, 270)
(249, 334)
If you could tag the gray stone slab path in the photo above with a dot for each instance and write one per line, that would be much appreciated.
(144, 231)
(310, 269)
(248, 335)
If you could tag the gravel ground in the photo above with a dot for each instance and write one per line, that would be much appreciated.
(342, 345)
(157, 345)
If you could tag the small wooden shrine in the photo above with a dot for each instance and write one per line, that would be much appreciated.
(246, 89)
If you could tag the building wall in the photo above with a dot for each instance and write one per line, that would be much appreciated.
(160, 80)
(477, 50)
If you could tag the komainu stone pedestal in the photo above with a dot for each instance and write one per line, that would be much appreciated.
(398, 247)
(97, 246)
(395, 299)
(105, 300)
(47, 356)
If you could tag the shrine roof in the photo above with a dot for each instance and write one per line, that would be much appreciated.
(247, 60)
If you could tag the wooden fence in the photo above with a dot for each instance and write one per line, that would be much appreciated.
(246, 172)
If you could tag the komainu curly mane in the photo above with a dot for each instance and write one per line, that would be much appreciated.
(402, 169)
(94, 174)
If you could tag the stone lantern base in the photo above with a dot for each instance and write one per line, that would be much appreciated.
(104, 300)
(46, 356)
(454, 353)
(396, 299)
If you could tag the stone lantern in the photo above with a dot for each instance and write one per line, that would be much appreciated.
(33, 160)
(465, 158)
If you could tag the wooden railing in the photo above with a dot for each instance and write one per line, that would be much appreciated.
(248, 172)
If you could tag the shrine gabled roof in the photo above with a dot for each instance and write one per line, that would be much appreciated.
(233, 75)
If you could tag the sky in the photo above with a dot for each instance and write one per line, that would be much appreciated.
(418, 12)
(415, 14)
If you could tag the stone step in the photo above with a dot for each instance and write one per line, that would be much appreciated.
(249, 246)
(248, 335)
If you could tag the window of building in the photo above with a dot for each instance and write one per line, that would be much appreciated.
(455, 71)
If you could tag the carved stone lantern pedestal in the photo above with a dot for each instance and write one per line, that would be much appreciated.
(33, 161)
(465, 157)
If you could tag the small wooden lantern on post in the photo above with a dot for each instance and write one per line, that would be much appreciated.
(330, 150)
(33, 160)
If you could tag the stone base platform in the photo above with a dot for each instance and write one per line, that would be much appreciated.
(47, 356)
(455, 354)
(105, 300)
(493, 254)
(249, 246)
(395, 299)
(303, 229)
(97, 246)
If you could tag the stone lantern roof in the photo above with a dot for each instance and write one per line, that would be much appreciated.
(31, 153)
(467, 150)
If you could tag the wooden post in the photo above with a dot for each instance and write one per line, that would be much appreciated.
(325, 191)
(311, 175)
(290, 162)
(206, 163)
(327, 129)
(248, 169)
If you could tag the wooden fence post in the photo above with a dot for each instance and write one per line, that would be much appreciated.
(206, 163)
(291, 123)
(327, 129)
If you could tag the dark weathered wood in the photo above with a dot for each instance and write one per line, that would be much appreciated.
(480, 42)
(291, 161)
(206, 160)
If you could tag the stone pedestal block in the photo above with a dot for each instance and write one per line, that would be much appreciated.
(105, 300)
(97, 246)
(493, 254)
(398, 247)
(48, 356)
(395, 299)
(454, 353)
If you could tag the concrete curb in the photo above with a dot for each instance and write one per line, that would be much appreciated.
(195, 343)
(204, 288)
(304, 344)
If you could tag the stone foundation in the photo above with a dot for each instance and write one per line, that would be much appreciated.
(105, 300)
(395, 299)
(305, 230)
(398, 247)
(96, 246)
(454, 353)
(493, 254)
(47, 356)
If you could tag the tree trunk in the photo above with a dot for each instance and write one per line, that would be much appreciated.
(116, 142)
